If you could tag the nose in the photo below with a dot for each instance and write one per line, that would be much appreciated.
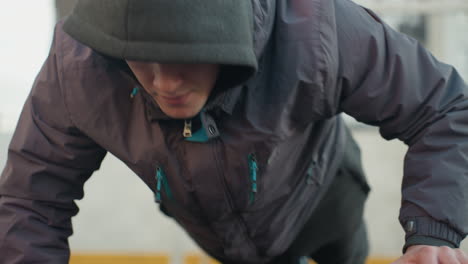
(167, 78)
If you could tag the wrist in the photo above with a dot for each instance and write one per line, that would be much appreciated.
(427, 231)
(425, 241)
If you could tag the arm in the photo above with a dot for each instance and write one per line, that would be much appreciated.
(419, 100)
(48, 162)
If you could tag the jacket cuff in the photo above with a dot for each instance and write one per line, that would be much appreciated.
(427, 231)
(428, 241)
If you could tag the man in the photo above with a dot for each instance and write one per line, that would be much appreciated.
(228, 111)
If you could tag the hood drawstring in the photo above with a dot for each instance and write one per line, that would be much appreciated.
(161, 181)
(253, 168)
(134, 92)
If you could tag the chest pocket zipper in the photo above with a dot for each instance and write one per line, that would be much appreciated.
(253, 168)
(161, 182)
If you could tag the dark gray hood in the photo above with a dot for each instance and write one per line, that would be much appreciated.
(196, 31)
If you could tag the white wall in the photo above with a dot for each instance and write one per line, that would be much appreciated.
(26, 29)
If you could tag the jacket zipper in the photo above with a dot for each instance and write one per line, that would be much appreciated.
(229, 195)
(187, 128)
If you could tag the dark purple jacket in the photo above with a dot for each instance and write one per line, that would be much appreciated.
(274, 145)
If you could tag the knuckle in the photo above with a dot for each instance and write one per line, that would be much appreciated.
(427, 250)
(447, 252)
(462, 255)
(445, 249)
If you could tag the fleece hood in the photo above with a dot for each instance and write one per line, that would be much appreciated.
(175, 31)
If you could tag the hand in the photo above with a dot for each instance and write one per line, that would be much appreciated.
(422, 254)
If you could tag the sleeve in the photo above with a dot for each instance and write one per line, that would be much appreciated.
(48, 162)
(389, 80)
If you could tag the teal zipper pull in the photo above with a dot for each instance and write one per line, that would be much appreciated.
(159, 179)
(161, 182)
(253, 168)
(134, 92)
(310, 173)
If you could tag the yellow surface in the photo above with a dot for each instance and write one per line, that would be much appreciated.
(165, 259)
(118, 259)
(373, 261)
(381, 260)
(193, 259)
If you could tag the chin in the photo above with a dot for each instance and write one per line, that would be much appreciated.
(181, 114)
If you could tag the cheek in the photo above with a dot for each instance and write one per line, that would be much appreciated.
(205, 90)
(146, 81)
(146, 77)
(205, 81)
(209, 89)
(142, 72)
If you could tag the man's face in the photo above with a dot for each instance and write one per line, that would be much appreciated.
(180, 90)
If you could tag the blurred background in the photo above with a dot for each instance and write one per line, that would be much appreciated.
(138, 232)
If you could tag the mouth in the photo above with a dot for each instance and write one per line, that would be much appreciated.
(175, 100)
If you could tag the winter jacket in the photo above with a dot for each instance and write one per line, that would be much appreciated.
(274, 143)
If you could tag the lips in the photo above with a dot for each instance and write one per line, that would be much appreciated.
(175, 100)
